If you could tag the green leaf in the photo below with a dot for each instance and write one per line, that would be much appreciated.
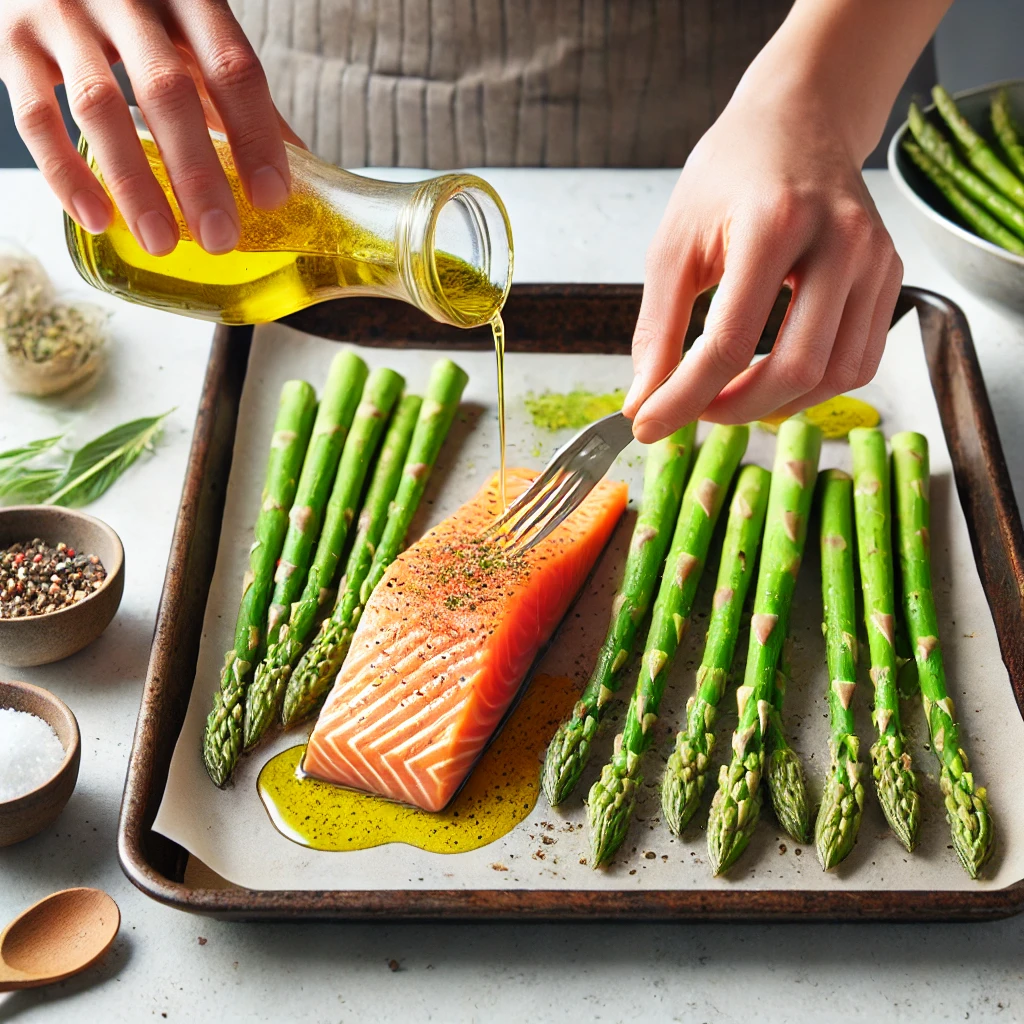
(16, 456)
(102, 461)
(28, 486)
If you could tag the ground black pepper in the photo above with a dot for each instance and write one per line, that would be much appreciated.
(36, 579)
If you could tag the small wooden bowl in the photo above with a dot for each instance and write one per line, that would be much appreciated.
(41, 639)
(26, 815)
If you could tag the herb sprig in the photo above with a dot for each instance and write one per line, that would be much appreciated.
(44, 473)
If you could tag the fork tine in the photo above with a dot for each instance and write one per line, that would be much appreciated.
(542, 506)
(530, 495)
(556, 515)
(569, 476)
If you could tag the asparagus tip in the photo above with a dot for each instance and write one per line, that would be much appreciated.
(897, 789)
(566, 757)
(970, 820)
(682, 783)
(610, 810)
(838, 821)
(788, 787)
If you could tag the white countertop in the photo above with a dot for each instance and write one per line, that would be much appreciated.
(569, 226)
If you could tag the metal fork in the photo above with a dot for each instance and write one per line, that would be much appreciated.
(566, 480)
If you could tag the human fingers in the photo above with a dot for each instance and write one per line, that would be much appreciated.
(670, 287)
(861, 334)
(755, 265)
(800, 356)
(102, 113)
(167, 96)
(235, 81)
(30, 75)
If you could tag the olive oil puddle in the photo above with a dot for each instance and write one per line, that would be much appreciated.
(500, 793)
(836, 417)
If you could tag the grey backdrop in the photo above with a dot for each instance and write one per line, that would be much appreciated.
(978, 42)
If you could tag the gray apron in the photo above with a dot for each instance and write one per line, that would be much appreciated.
(533, 83)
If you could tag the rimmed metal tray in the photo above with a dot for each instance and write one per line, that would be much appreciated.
(540, 318)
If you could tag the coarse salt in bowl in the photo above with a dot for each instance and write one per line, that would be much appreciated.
(30, 753)
(40, 754)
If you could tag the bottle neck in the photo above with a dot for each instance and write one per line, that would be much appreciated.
(454, 250)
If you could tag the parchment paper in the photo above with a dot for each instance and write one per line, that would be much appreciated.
(232, 834)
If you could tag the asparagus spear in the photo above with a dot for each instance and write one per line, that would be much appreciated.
(613, 796)
(222, 740)
(320, 664)
(1006, 130)
(264, 695)
(986, 226)
(894, 777)
(784, 773)
(345, 381)
(967, 809)
(842, 798)
(299, 699)
(975, 217)
(687, 767)
(737, 803)
(668, 462)
(980, 154)
(942, 152)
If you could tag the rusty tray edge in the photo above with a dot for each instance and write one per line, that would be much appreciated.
(152, 863)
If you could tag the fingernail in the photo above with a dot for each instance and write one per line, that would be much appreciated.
(652, 430)
(633, 395)
(90, 211)
(158, 236)
(268, 188)
(217, 231)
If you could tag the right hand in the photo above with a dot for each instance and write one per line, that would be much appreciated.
(190, 64)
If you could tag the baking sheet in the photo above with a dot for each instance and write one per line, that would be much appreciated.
(231, 833)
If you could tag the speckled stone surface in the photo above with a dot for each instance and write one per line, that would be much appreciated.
(571, 225)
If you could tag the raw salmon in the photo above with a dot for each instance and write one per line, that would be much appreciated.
(444, 644)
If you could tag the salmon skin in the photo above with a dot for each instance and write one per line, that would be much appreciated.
(444, 644)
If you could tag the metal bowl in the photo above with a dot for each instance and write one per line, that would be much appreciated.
(984, 268)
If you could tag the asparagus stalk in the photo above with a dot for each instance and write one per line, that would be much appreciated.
(686, 771)
(613, 796)
(842, 799)
(1006, 130)
(264, 695)
(894, 777)
(668, 462)
(338, 403)
(784, 773)
(942, 152)
(980, 154)
(222, 740)
(737, 803)
(320, 664)
(967, 809)
(299, 699)
(975, 217)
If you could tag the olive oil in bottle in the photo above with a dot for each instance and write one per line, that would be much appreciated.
(443, 244)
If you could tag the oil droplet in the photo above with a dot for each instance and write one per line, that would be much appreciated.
(836, 417)
(500, 793)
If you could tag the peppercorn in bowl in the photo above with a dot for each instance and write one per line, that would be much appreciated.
(61, 582)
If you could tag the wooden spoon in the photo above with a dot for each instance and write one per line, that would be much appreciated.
(57, 937)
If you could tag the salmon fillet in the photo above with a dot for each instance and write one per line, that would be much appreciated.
(443, 646)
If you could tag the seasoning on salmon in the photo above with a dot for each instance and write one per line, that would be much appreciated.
(444, 644)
